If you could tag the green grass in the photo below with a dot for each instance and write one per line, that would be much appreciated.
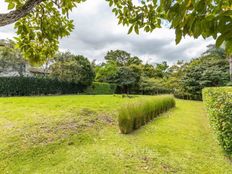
(79, 134)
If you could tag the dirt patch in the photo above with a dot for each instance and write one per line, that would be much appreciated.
(47, 132)
(168, 168)
(106, 119)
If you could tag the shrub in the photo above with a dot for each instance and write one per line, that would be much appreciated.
(134, 115)
(187, 96)
(219, 106)
(101, 88)
(27, 86)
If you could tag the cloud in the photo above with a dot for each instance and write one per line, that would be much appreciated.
(96, 32)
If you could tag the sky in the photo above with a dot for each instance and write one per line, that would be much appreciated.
(96, 32)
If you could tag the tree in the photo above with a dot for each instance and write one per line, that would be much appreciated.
(148, 70)
(122, 58)
(153, 85)
(221, 52)
(10, 58)
(215, 51)
(160, 69)
(203, 72)
(76, 69)
(187, 17)
(127, 78)
(106, 72)
(41, 23)
(210, 18)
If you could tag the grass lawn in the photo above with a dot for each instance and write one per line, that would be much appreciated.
(79, 134)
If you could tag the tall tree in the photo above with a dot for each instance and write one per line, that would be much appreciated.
(203, 72)
(106, 72)
(122, 58)
(76, 69)
(221, 52)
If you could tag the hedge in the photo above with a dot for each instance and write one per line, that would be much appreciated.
(218, 102)
(27, 86)
(134, 115)
(187, 96)
(101, 88)
(157, 90)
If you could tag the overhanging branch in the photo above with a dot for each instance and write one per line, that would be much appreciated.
(15, 15)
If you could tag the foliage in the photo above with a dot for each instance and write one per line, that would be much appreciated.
(27, 86)
(40, 30)
(128, 77)
(121, 69)
(101, 88)
(203, 72)
(194, 18)
(215, 51)
(74, 69)
(134, 115)
(122, 58)
(106, 72)
(11, 58)
(219, 105)
(153, 86)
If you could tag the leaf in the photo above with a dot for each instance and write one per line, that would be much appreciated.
(178, 35)
(11, 6)
(131, 29)
(136, 29)
(219, 41)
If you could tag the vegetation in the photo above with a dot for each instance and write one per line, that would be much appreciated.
(11, 58)
(193, 18)
(134, 115)
(205, 71)
(219, 105)
(130, 74)
(73, 69)
(27, 86)
(101, 88)
(79, 134)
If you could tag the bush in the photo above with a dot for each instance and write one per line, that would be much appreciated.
(27, 86)
(187, 96)
(101, 88)
(219, 105)
(134, 115)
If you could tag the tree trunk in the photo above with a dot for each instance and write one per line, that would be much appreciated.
(230, 62)
(15, 15)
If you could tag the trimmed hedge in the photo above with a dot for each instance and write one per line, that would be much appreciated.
(101, 88)
(28, 86)
(134, 115)
(186, 96)
(157, 90)
(219, 106)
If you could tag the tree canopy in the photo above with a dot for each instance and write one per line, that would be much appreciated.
(72, 68)
(41, 23)
(11, 58)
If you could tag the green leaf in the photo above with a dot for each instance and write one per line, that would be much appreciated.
(219, 41)
(131, 29)
(136, 29)
(178, 35)
(11, 6)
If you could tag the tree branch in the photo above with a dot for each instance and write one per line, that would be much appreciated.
(15, 15)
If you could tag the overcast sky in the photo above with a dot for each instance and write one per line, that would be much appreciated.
(96, 31)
